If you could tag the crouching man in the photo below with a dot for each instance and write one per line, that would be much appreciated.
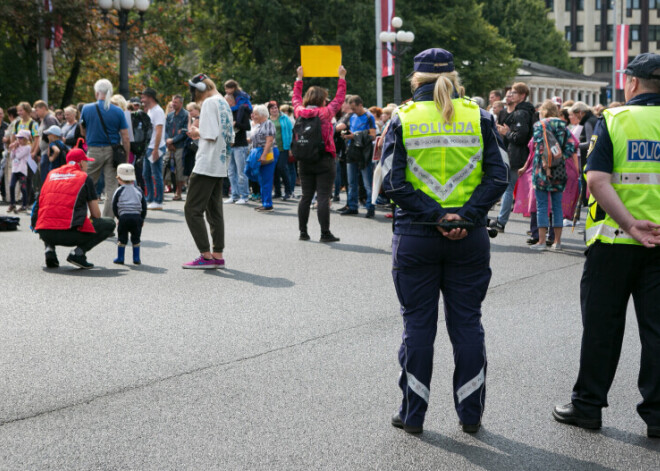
(60, 214)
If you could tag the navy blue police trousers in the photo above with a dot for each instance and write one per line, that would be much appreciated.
(422, 268)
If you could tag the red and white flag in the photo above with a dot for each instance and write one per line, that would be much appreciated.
(622, 32)
(386, 15)
(54, 39)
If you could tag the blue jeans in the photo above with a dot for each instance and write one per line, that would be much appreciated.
(236, 173)
(291, 170)
(44, 166)
(281, 178)
(266, 174)
(367, 178)
(507, 199)
(154, 172)
(542, 208)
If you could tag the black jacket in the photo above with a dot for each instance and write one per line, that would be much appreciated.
(588, 123)
(520, 124)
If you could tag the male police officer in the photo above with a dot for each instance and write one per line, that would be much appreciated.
(623, 257)
(442, 162)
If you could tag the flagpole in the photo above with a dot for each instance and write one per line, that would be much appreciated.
(379, 57)
(615, 45)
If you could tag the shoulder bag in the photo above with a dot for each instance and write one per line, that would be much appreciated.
(118, 151)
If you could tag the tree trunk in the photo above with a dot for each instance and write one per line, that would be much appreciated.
(70, 87)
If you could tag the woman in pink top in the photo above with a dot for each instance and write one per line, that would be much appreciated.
(319, 176)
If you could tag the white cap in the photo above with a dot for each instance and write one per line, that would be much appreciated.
(126, 172)
(55, 130)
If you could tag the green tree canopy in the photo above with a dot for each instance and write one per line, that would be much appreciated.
(526, 25)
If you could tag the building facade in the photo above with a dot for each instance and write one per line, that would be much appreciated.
(588, 25)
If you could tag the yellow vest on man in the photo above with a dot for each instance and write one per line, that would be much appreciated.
(635, 135)
(444, 158)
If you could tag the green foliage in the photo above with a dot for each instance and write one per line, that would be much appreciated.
(526, 25)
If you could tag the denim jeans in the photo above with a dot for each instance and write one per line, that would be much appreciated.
(291, 170)
(367, 177)
(236, 173)
(153, 172)
(507, 199)
(281, 177)
(266, 173)
(542, 208)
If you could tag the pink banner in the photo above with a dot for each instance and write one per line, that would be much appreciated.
(386, 15)
(622, 35)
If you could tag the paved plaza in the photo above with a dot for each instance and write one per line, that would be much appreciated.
(286, 360)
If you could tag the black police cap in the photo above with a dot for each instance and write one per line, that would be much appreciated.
(643, 66)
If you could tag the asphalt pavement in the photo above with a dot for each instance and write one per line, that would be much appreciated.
(286, 360)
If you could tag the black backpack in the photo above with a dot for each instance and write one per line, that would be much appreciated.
(142, 130)
(307, 144)
(9, 223)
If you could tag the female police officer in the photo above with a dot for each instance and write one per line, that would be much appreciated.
(442, 162)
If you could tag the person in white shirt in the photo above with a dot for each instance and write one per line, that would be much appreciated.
(152, 169)
(215, 132)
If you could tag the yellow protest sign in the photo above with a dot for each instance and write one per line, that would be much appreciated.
(320, 61)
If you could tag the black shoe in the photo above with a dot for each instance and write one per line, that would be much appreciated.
(371, 213)
(532, 241)
(51, 259)
(342, 209)
(497, 226)
(470, 428)
(80, 261)
(568, 415)
(303, 236)
(328, 237)
(349, 212)
(549, 243)
(336, 199)
(653, 432)
(398, 423)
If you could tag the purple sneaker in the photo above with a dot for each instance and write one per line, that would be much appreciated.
(219, 263)
(201, 263)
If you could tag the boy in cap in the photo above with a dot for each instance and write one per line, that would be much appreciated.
(130, 207)
(57, 149)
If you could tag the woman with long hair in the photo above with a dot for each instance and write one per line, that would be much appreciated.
(443, 169)
(318, 176)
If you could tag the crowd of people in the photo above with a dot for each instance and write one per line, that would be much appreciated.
(260, 166)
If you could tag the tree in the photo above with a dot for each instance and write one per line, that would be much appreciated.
(526, 25)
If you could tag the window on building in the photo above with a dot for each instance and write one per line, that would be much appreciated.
(654, 32)
(550, 4)
(653, 4)
(603, 65)
(610, 33)
(601, 3)
(634, 33)
(633, 4)
(579, 33)
(580, 4)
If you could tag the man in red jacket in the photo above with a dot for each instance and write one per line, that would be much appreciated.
(60, 214)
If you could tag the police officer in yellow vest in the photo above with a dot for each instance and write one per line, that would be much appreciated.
(623, 254)
(442, 162)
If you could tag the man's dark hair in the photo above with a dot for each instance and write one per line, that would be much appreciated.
(12, 112)
(356, 100)
(177, 97)
(496, 92)
(233, 84)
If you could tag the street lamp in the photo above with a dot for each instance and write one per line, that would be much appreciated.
(398, 44)
(123, 8)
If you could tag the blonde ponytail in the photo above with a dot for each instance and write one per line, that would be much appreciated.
(446, 84)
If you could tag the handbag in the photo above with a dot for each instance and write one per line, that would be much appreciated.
(118, 151)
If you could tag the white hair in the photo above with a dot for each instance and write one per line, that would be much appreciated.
(104, 87)
(261, 110)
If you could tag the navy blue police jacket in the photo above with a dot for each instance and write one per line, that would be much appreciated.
(415, 205)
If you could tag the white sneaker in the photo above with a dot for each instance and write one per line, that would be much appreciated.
(241, 201)
(539, 247)
(151, 205)
(568, 223)
(229, 201)
(157, 207)
(556, 247)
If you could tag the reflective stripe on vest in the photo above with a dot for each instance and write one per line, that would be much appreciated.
(444, 158)
(635, 135)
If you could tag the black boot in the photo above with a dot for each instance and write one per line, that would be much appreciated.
(327, 236)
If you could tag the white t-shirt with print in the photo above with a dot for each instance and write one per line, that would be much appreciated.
(216, 134)
(157, 116)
